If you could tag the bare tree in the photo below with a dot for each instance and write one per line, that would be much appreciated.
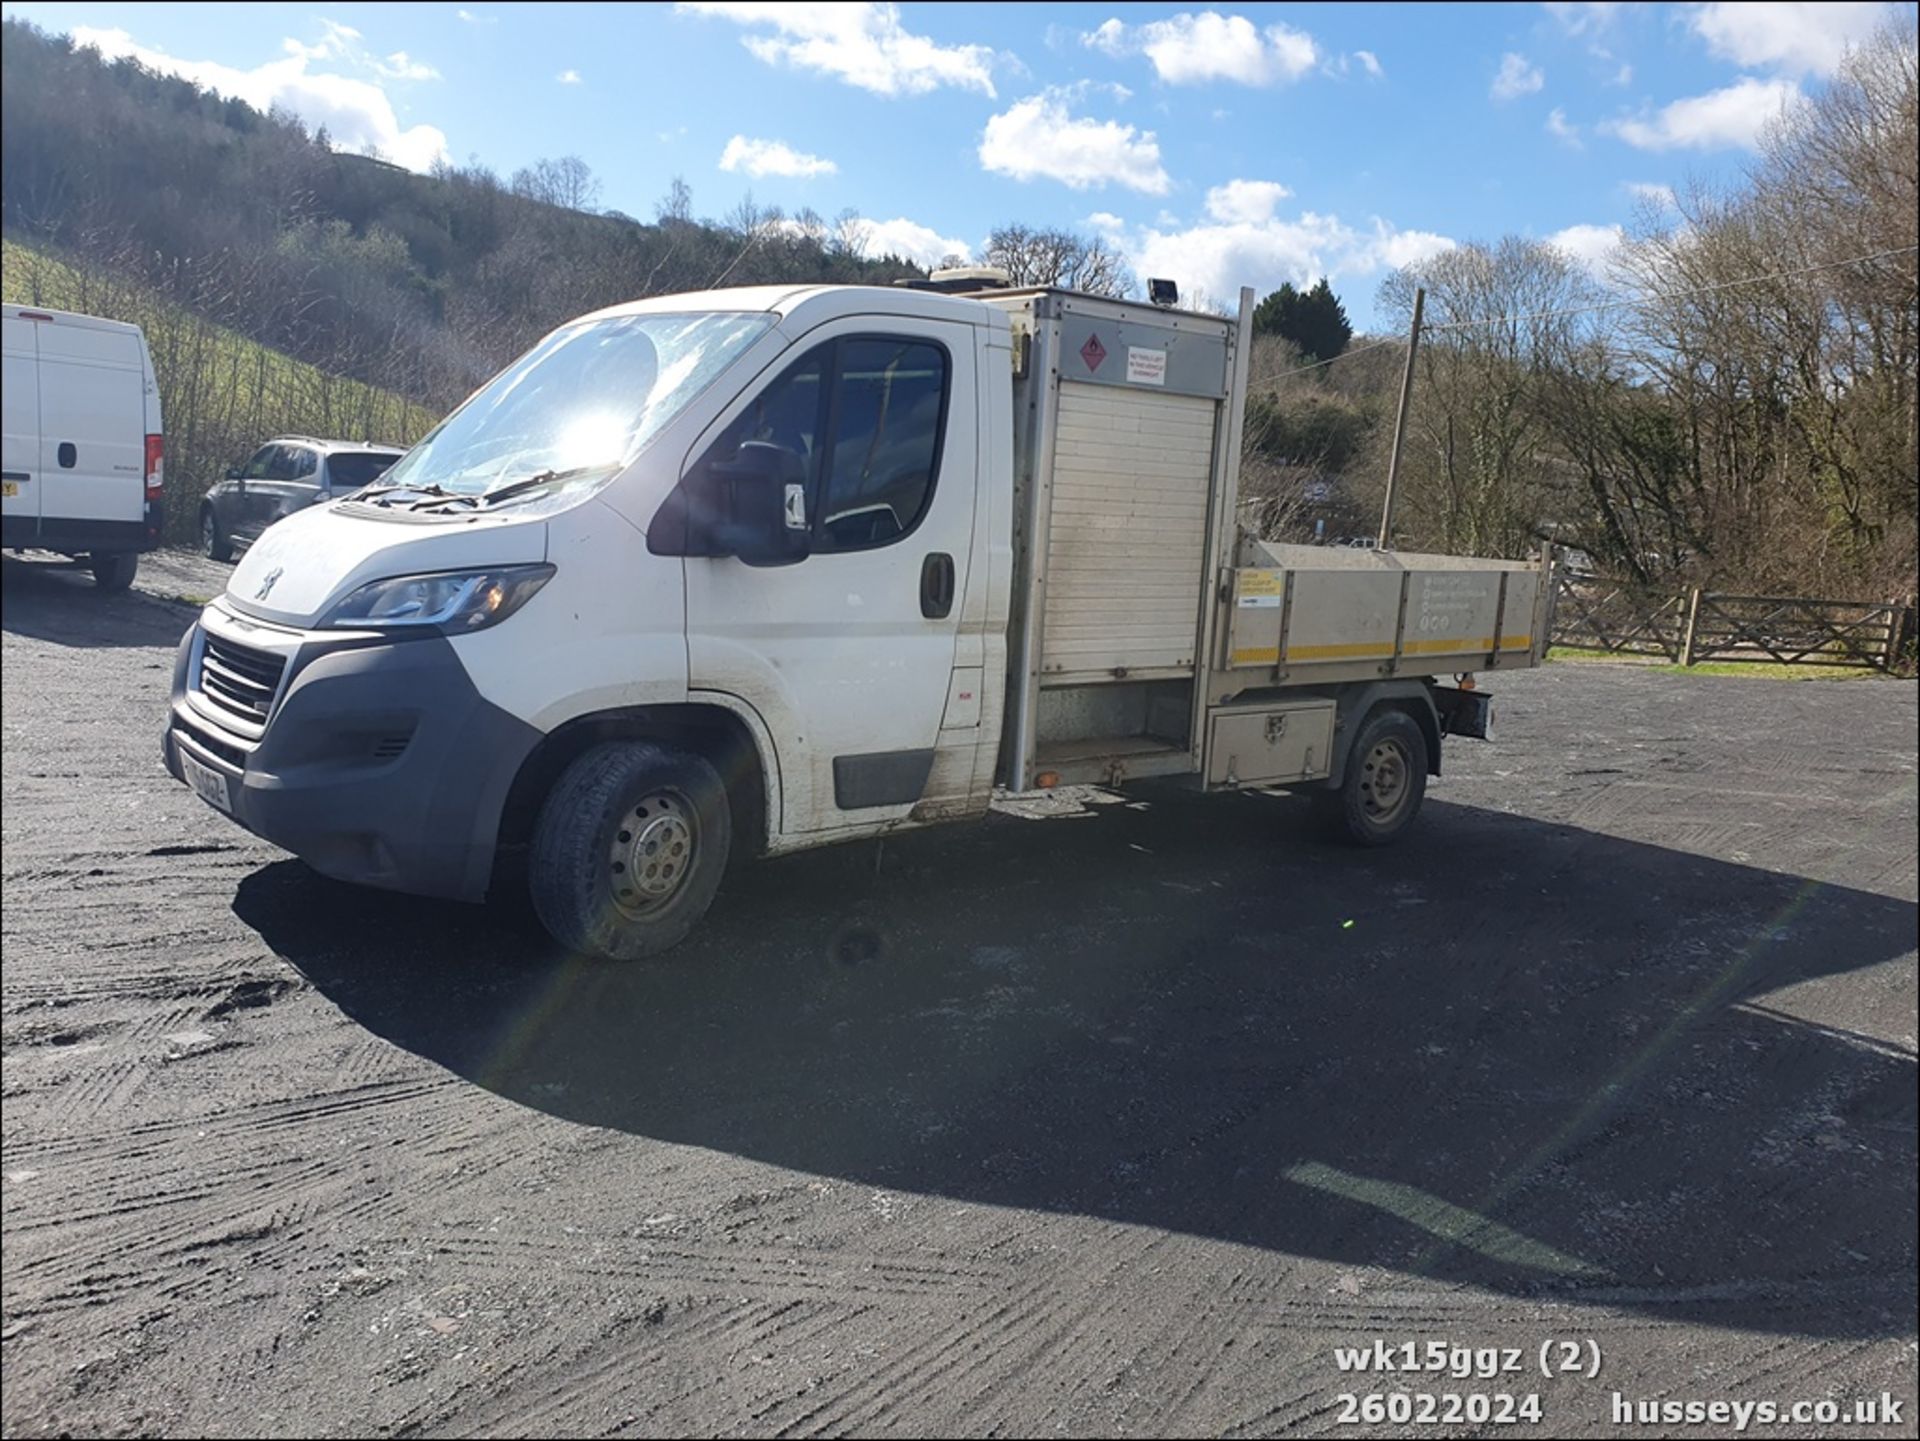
(1477, 469)
(676, 206)
(850, 235)
(1058, 257)
(567, 182)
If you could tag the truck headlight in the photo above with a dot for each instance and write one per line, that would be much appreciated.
(451, 600)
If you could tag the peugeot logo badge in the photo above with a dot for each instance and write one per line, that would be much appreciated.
(267, 584)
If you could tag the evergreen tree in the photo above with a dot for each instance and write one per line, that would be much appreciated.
(1314, 320)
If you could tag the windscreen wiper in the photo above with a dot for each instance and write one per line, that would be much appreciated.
(372, 492)
(534, 482)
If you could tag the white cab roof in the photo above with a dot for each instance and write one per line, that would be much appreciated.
(812, 305)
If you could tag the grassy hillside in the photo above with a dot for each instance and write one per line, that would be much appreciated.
(221, 393)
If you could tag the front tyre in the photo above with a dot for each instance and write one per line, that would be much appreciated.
(1384, 784)
(114, 573)
(629, 850)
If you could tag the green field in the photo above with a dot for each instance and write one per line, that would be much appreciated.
(221, 394)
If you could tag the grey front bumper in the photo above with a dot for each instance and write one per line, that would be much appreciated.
(379, 763)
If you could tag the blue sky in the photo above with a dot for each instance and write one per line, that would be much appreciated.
(1243, 145)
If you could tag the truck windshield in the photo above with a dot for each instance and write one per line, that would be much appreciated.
(580, 405)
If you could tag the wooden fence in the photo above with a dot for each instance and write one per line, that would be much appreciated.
(1688, 626)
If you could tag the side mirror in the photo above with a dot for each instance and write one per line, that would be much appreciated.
(233, 472)
(761, 499)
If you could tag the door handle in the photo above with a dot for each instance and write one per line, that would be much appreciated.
(936, 586)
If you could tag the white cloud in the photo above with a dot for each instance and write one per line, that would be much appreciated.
(473, 19)
(1589, 245)
(342, 42)
(1251, 201)
(1216, 257)
(861, 44)
(1653, 193)
(401, 66)
(913, 241)
(357, 113)
(1189, 49)
(1622, 76)
(1583, 17)
(1518, 76)
(1390, 249)
(1563, 129)
(1039, 139)
(1733, 116)
(1788, 35)
(773, 157)
(569, 77)
(1370, 62)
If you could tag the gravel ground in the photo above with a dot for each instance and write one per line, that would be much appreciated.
(1118, 1121)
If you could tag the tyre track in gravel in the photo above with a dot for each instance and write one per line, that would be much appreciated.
(1119, 1127)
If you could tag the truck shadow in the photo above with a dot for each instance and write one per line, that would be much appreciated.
(1507, 1054)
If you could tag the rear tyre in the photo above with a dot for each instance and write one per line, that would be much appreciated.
(213, 544)
(1384, 784)
(629, 850)
(114, 573)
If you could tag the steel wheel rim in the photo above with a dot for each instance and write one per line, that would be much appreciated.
(1386, 780)
(651, 853)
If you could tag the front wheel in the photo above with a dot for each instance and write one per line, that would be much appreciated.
(629, 850)
(1384, 784)
(114, 573)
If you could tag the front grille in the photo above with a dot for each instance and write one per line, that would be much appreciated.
(238, 679)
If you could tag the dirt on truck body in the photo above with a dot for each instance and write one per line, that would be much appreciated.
(1143, 1115)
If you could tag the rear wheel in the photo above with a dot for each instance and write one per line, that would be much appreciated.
(213, 544)
(114, 572)
(1384, 784)
(629, 850)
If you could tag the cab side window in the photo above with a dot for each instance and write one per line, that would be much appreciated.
(786, 415)
(889, 410)
(301, 463)
(857, 421)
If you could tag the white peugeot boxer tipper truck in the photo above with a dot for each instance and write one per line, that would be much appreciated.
(749, 571)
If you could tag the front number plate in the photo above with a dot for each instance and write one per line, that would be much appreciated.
(207, 783)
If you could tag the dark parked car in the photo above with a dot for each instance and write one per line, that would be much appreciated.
(286, 474)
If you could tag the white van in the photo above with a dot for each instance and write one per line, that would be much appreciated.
(83, 448)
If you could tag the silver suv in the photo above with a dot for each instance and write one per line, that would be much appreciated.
(288, 473)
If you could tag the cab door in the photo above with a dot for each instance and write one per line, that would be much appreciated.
(848, 655)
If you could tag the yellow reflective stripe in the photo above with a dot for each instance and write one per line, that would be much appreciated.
(1339, 652)
(1450, 645)
(1258, 655)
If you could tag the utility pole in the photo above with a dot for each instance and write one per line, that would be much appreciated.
(1400, 422)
